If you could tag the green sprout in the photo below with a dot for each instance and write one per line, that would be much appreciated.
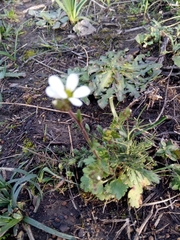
(72, 8)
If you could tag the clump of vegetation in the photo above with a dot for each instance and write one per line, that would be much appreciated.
(116, 162)
(123, 163)
(72, 8)
(12, 211)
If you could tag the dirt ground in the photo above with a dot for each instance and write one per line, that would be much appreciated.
(28, 120)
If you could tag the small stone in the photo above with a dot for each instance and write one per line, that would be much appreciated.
(64, 203)
(151, 238)
(84, 28)
(57, 219)
(64, 227)
(167, 235)
(81, 233)
(56, 223)
(61, 217)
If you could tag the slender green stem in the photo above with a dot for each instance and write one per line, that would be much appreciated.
(83, 131)
(81, 127)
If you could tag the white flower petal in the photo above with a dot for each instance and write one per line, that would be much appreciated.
(51, 93)
(81, 92)
(72, 82)
(55, 82)
(76, 102)
(57, 86)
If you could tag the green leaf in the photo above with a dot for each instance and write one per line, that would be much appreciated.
(2, 72)
(86, 183)
(140, 38)
(175, 182)
(41, 23)
(124, 115)
(117, 188)
(4, 201)
(176, 60)
(103, 81)
(13, 222)
(56, 25)
(18, 186)
(103, 101)
(7, 55)
(47, 229)
(132, 90)
(79, 116)
(79, 6)
(5, 218)
(168, 150)
(16, 75)
(89, 160)
(150, 175)
(97, 188)
(135, 196)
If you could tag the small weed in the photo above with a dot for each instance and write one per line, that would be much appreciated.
(157, 32)
(10, 15)
(168, 149)
(124, 164)
(55, 19)
(13, 211)
(72, 8)
(27, 144)
(118, 161)
(118, 74)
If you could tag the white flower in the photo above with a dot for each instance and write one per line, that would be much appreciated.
(57, 90)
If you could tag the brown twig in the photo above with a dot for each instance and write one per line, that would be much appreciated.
(70, 139)
(165, 98)
(140, 229)
(38, 107)
(158, 202)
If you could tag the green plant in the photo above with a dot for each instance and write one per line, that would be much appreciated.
(157, 32)
(119, 162)
(6, 53)
(175, 181)
(4, 73)
(12, 211)
(152, 36)
(168, 149)
(123, 164)
(72, 8)
(5, 30)
(118, 74)
(144, 6)
(108, 2)
(54, 18)
(9, 14)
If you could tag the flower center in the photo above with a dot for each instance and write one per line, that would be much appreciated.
(69, 93)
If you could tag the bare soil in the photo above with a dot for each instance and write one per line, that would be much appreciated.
(27, 117)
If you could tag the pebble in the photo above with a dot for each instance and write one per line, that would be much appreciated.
(64, 203)
(64, 227)
(81, 233)
(151, 238)
(56, 223)
(61, 217)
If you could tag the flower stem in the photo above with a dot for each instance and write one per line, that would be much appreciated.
(88, 140)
